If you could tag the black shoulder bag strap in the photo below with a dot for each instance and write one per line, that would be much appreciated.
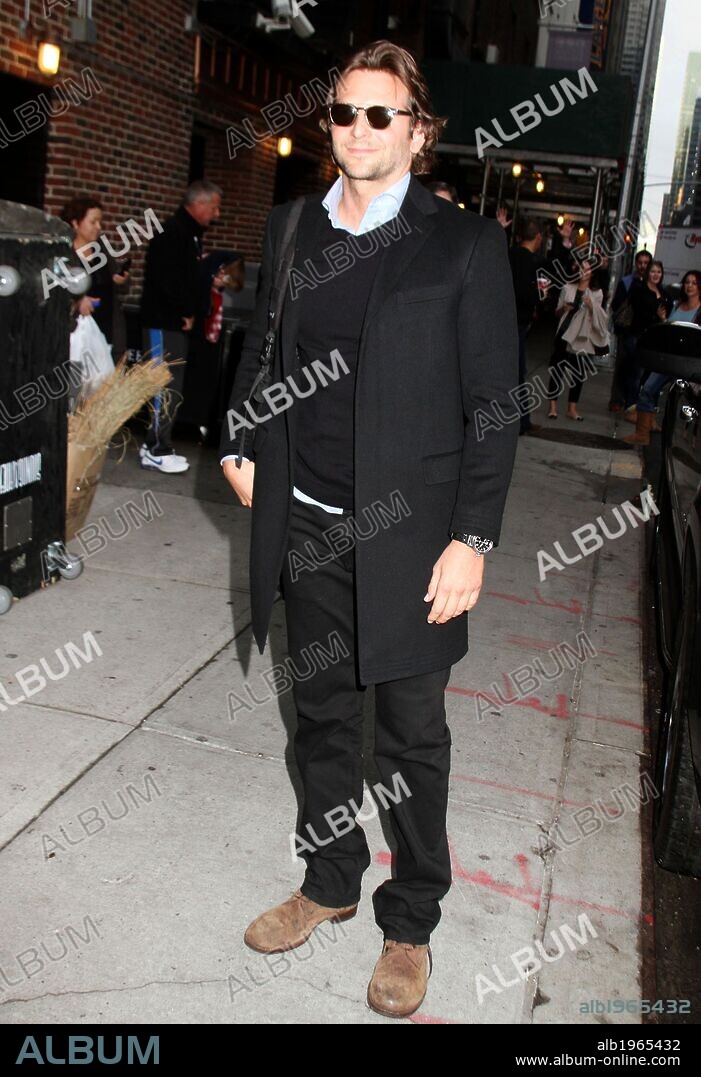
(276, 303)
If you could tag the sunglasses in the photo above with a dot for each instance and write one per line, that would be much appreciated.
(378, 116)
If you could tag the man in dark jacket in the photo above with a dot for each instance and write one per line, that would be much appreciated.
(168, 308)
(408, 299)
(524, 269)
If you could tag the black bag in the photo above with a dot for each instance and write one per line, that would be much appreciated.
(623, 318)
(276, 300)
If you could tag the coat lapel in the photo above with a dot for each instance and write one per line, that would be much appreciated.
(310, 225)
(418, 214)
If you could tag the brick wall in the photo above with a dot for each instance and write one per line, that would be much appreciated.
(143, 89)
(128, 140)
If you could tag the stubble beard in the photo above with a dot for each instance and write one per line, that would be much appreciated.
(355, 170)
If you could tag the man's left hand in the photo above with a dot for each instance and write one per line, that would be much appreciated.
(456, 582)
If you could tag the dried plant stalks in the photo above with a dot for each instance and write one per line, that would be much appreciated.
(96, 421)
(104, 412)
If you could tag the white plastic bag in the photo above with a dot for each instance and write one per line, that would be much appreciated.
(90, 353)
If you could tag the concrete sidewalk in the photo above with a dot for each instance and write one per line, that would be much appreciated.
(145, 819)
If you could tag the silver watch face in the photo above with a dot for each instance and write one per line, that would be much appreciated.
(480, 545)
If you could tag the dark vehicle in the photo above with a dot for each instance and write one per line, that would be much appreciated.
(675, 349)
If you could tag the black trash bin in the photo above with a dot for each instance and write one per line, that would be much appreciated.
(35, 389)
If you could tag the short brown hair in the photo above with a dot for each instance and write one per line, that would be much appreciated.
(385, 56)
(78, 207)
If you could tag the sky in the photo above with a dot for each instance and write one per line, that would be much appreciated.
(681, 34)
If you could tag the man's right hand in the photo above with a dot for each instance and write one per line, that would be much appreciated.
(240, 479)
(87, 305)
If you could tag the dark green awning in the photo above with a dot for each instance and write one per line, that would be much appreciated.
(473, 94)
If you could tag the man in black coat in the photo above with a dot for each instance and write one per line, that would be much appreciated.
(524, 269)
(375, 498)
(168, 306)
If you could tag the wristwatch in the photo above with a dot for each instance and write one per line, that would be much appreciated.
(478, 544)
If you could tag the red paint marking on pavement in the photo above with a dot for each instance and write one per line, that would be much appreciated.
(575, 606)
(527, 893)
(615, 721)
(545, 645)
(559, 710)
(426, 1019)
(509, 598)
(526, 792)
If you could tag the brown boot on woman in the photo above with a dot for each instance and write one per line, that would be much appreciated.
(643, 427)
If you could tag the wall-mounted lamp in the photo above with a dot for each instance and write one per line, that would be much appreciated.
(560, 221)
(540, 185)
(284, 146)
(48, 57)
(516, 169)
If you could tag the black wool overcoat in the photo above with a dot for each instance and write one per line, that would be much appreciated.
(439, 341)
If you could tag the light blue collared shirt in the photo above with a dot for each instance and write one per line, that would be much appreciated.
(383, 208)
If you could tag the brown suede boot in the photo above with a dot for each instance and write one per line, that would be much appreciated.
(645, 423)
(289, 925)
(400, 979)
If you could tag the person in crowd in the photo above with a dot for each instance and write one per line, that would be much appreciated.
(649, 305)
(642, 261)
(168, 309)
(426, 334)
(84, 214)
(604, 273)
(580, 310)
(219, 272)
(561, 246)
(622, 315)
(524, 268)
(686, 309)
(443, 190)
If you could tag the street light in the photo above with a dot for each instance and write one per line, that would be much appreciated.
(540, 185)
(284, 146)
(516, 169)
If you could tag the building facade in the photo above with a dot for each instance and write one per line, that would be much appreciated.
(684, 197)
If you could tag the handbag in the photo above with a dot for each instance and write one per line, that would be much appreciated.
(276, 303)
(623, 318)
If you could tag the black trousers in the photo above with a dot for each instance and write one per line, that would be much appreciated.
(412, 741)
(561, 365)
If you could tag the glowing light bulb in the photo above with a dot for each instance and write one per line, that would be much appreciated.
(48, 58)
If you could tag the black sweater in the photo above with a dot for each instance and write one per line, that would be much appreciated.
(331, 317)
(645, 303)
(170, 275)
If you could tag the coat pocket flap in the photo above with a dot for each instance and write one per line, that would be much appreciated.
(442, 467)
(420, 295)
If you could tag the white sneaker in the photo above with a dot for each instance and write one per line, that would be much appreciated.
(174, 455)
(170, 464)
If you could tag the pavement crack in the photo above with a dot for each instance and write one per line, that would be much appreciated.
(110, 990)
(324, 990)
